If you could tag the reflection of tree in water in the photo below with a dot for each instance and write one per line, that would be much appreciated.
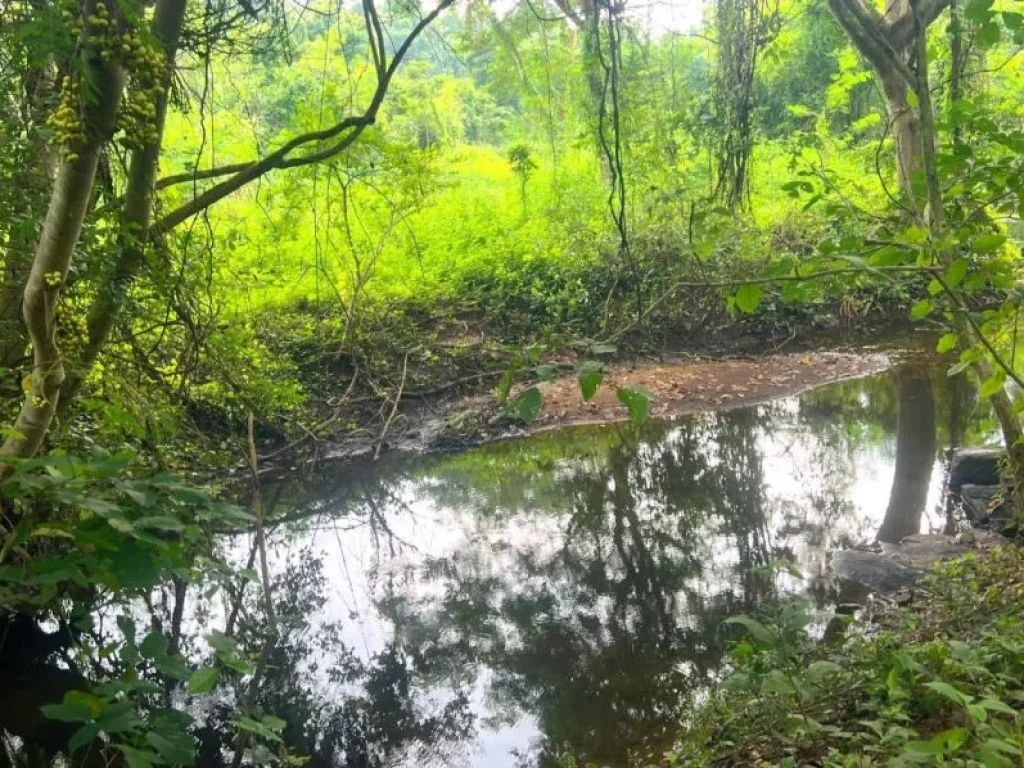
(598, 563)
(915, 456)
(605, 633)
(341, 711)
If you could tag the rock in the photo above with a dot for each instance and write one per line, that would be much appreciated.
(980, 502)
(877, 572)
(922, 550)
(898, 567)
(974, 466)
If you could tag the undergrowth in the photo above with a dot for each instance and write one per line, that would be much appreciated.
(940, 682)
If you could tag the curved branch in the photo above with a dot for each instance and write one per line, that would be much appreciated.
(348, 129)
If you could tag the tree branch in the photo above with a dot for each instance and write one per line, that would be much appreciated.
(348, 129)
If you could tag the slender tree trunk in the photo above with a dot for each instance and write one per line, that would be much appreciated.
(915, 457)
(62, 227)
(168, 18)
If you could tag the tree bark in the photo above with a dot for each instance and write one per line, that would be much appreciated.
(168, 19)
(62, 227)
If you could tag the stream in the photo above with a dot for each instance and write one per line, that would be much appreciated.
(563, 594)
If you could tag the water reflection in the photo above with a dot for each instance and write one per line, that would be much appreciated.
(915, 456)
(564, 594)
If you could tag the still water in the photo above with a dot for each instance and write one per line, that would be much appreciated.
(563, 594)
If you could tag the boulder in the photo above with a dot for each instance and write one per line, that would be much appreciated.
(974, 466)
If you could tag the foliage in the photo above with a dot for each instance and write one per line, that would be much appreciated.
(940, 682)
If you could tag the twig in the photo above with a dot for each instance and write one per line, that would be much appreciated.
(394, 408)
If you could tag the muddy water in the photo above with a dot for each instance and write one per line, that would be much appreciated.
(563, 594)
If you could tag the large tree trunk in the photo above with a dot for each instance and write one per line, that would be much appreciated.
(906, 130)
(62, 227)
(168, 18)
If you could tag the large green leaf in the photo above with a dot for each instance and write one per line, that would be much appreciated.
(637, 401)
(528, 404)
(203, 680)
(748, 297)
(757, 630)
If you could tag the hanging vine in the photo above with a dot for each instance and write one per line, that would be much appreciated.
(745, 29)
(607, 42)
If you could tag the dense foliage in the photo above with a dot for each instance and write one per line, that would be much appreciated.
(225, 226)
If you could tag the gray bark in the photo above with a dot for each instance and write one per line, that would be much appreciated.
(62, 227)
(168, 18)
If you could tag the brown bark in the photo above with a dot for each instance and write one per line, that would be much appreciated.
(62, 227)
(168, 18)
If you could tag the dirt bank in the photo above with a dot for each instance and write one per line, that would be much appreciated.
(688, 385)
(679, 384)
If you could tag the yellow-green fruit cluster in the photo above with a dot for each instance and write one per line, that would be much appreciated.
(66, 122)
(148, 72)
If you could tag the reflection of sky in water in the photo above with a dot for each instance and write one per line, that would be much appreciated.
(817, 483)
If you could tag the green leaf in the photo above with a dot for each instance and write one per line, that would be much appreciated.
(956, 272)
(922, 309)
(138, 758)
(203, 680)
(978, 712)
(221, 642)
(951, 739)
(528, 404)
(154, 645)
(160, 522)
(924, 748)
(175, 748)
(823, 668)
(934, 287)
(992, 385)
(748, 297)
(947, 343)
(589, 382)
(83, 736)
(546, 372)
(912, 235)
(757, 630)
(988, 243)
(951, 693)
(67, 713)
(912, 99)
(995, 705)
(637, 401)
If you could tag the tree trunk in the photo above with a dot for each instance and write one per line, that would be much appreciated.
(168, 18)
(906, 129)
(62, 227)
(915, 457)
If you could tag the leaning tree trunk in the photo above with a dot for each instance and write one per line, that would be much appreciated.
(168, 18)
(69, 200)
